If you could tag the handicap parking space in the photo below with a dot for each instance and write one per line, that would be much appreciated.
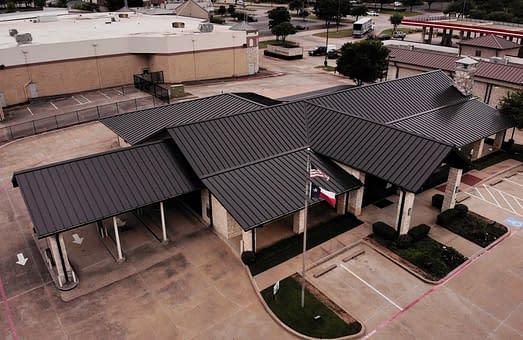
(367, 285)
(499, 198)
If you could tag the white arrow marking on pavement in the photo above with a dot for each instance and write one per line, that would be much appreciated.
(77, 239)
(21, 259)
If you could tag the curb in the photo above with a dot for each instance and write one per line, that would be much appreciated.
(283, 325)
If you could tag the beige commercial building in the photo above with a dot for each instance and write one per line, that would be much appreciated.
(72, 53)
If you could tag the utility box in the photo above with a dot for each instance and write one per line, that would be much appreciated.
(176, 91)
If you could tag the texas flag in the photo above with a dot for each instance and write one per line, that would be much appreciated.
(328, 196)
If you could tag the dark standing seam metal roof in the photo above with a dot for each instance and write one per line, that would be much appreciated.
(509, 73)
(388, 101)
(399, 157)
(258, 98)
(227, 142)
(490, 41)
(261, 192)
(316, 93)
(459, 124)
(73, 193)
(136, 127)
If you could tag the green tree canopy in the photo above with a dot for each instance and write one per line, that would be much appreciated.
(364, 61)
(326, 10)
(231, 9)
(358, 11)
(278, 15)
(222, 10)
(296, 5)
(395, 20)
(282, 30)
(512, 105)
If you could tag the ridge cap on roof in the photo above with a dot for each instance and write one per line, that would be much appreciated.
(234, 115)
(264, 159)
(235, 94)
(457, 102)
(98, 154)
(392, 127)
(377, 84)
(169, 105)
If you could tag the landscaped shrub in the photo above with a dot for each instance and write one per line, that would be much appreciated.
(446, 217)
(452, 257)
(248, 257)
(404, 241)
(470, 226)
(216, 20)
(437, 201)
(419, 232)
(384, 230)
(461, 210)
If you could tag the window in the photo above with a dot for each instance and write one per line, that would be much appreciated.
(478, 53)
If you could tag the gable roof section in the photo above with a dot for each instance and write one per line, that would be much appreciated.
(507, 73)
(399, 157)
(490, 41)
(264, 191)
(76, 192)
(459, 124)
(138, 126)
(386, 101)
(219, 144)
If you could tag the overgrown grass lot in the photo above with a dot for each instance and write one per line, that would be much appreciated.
(287, 248)
(287, 306)
(471, 226)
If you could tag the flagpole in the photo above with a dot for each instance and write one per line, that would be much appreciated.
(307, 194)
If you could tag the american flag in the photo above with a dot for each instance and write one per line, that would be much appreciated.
(316, 173)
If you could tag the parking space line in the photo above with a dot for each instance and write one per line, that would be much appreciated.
(489, 202)
(52, 104)
(79, 102)
(31, 112)
(491, 195)
(119, 92)
(516, 183)
(103, 94)
(86, 99)
(371, 287)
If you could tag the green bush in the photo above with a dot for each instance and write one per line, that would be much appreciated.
(446, 217)
(404, 241)
(419, 232)
(384, 230)
(437, 201)
(216, 20)
(461, 210)
(248, 257)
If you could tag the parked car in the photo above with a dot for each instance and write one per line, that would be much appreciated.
(333, 54)
(321, 50)
(373, 13)
(397, 4)
(399, 35)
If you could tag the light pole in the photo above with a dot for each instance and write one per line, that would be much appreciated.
(326, 44)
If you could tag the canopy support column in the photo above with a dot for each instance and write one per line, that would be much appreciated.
(164, 231)
(453, 182)
(117, 237)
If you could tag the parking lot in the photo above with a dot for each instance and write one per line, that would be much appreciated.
(367, 284)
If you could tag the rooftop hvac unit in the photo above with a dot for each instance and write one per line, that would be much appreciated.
(24, 38)
(13, 32)
(206, 27)
(178, 24)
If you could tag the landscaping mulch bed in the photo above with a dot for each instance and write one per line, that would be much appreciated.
(426, 257)
(286, 305)
(472, 227)
(286, 249)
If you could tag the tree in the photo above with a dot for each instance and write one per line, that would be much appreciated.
(363, 61)
(282, 30)
(326, 10)
(430, 2)
(114, 5)
(222, 10)
(357, 11)
(278, 15)
(512, 105)
(381, 2)
(411, 3)
(458, 7)
(296, 5)
(231, 9)
(395, 20)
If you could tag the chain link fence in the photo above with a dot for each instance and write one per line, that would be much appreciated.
(50, 123)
